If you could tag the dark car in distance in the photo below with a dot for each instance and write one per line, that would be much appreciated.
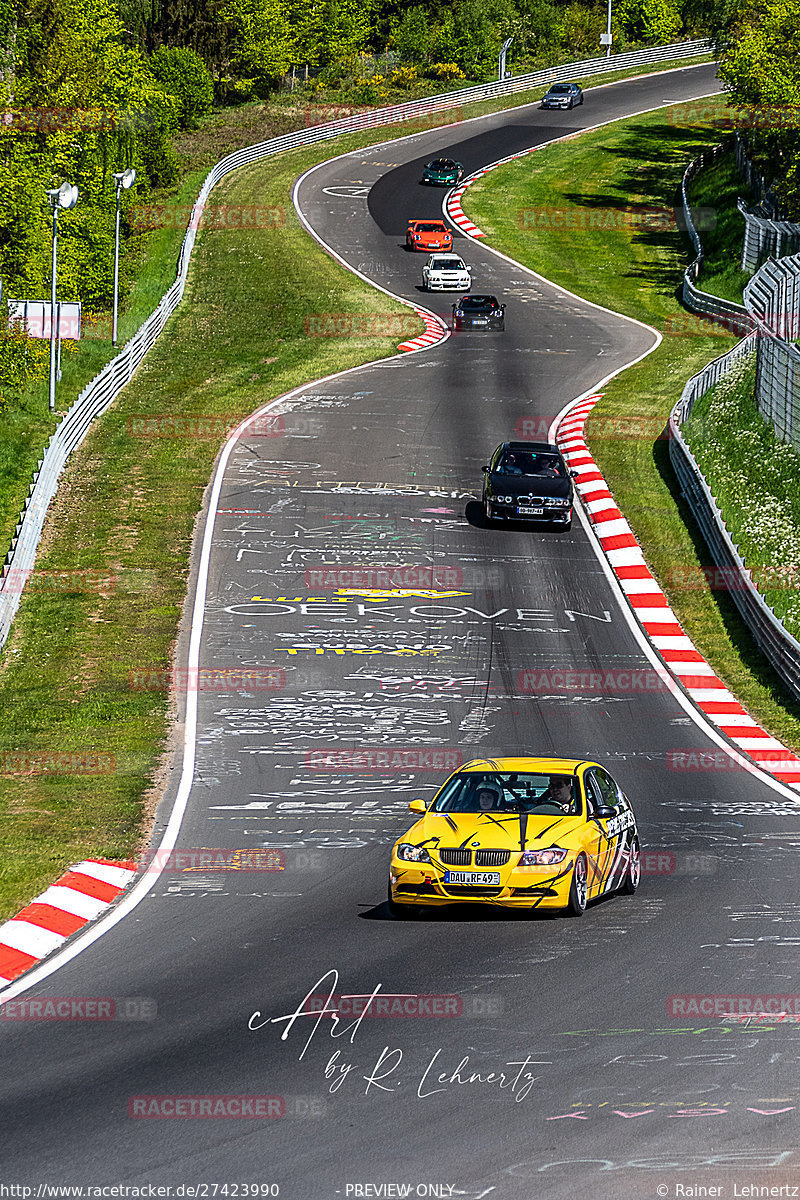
(528, 481)
(562, 95)
(443, 172)
(479, 312)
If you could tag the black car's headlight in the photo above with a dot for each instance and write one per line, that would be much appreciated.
(504, 499)
(542, 858)
(555, 502)
(411, 853)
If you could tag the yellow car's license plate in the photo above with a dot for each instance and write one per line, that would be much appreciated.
(486, 878)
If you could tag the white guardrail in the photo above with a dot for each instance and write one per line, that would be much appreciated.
(98, 395)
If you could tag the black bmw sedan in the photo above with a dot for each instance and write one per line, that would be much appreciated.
(528, 481)
(479, 312)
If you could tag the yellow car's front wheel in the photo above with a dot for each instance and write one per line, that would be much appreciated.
(579, 888)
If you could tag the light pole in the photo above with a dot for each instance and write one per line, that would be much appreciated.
(65, 196)
(123, 179)
(607, 39)
(501, 62)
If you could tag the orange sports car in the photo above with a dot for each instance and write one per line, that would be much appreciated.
(428, 235)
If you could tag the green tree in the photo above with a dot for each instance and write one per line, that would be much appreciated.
(580, 29)
(260, 47)
(647, 21)
(183, 73)
(413, 36)
(326, 31)
(535, 28)
(761, 69)
(345, 29)
(89, 103)
(761, 64)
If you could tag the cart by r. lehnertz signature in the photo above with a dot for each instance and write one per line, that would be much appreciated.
(391, 1069)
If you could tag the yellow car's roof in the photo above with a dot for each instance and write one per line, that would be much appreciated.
(540, 766)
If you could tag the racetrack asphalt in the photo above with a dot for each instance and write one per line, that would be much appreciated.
(613, 1093)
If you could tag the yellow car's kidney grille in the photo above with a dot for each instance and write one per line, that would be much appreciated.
(492, 858)
(462, 857)
(456, 858)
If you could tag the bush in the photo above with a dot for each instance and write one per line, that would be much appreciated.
(184, 74)
(445, 71)
(22, 360)
(405, 77)
(372, 90)
(159, 160)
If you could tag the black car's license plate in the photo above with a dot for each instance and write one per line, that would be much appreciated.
(480, 321)
(524, 511)
(487, 878)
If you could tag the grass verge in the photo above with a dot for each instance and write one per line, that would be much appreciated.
(755, 479)
(635, 270)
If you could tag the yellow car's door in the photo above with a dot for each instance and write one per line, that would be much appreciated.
(601, 795)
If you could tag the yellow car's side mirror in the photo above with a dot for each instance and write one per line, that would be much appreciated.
(418, 806)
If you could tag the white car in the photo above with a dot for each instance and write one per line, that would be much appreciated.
(446, 272)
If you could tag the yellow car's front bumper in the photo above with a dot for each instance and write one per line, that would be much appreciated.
(520, 887)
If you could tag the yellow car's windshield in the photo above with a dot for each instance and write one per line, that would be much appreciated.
(509, 792)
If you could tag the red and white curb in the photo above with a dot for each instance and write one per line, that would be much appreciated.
(650, 606)
(457, 214)
(435, 331)
(68, 905)
(452, 204)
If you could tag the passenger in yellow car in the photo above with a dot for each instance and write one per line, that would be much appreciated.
(558, 794)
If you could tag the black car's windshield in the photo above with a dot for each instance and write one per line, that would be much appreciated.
(525, 462)
(509, 792)
(478, 302)
(560, 89)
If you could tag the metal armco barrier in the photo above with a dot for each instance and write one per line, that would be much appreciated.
(773, 298)
(766, 234)
(98, 395)
(772, 638)
(766, 237)
(722, 312)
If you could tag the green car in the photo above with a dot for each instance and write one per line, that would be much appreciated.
(443, 172)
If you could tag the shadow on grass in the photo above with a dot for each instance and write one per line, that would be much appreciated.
(657, 155)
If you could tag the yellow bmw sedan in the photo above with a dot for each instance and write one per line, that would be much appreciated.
(533, 833)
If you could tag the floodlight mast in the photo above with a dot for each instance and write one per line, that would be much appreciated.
(65, 196)
(501, 60)
(123, 180)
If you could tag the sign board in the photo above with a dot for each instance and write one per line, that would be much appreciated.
(35, 316)
(606, 39)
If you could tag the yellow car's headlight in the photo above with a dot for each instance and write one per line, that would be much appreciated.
(411, 853)
(543, 858)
